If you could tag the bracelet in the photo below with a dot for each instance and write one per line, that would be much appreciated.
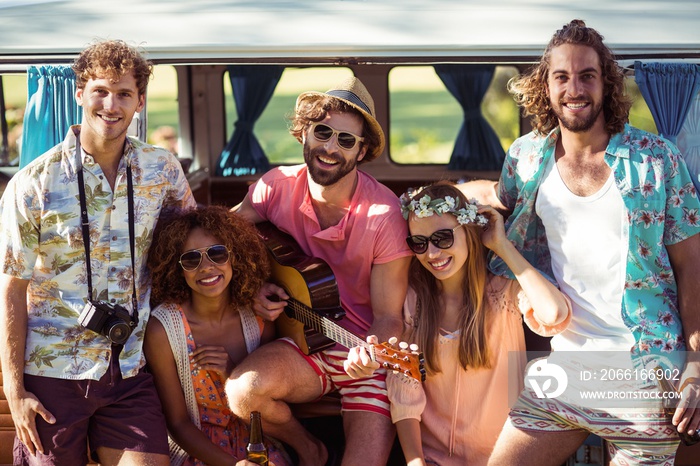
(688, 381)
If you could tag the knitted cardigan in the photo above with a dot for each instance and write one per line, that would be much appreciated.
(169, 316)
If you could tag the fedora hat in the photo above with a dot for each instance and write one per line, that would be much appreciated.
(354, 93)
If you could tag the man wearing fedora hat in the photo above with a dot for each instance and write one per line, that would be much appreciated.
(339, 214)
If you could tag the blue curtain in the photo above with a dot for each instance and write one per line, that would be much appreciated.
(51, 110)
(668, 89)
(477, 146)
(689, 141)
(252, 89)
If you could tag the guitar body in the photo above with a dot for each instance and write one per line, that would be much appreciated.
(313, 309)
(308, 280)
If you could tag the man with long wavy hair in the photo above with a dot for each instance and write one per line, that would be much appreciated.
(609, 212)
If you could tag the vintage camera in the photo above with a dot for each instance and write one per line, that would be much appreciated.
(110, 320)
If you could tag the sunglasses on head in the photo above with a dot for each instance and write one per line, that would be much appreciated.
(191, 260)
(443, 239)
(322, 132)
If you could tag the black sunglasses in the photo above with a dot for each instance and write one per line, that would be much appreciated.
(323, 133)
(190, 260)
(443, 239)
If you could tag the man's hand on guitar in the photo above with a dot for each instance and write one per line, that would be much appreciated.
(270, 302)
(359, 363)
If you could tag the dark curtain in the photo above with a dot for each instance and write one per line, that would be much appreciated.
(668, 89)
(252, 90)
(51, 110)
(477, 146)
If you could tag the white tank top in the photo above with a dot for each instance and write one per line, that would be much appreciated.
(588, 240)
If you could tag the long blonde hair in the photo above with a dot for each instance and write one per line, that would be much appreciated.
(473, 348)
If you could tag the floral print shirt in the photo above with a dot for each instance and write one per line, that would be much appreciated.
(41, 241)
(662, 209)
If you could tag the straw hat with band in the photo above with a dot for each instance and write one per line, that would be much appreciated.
(354, 93)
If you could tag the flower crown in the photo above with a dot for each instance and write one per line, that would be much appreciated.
(425, 207)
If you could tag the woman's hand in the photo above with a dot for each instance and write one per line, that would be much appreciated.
(213, 358)
(493, 234)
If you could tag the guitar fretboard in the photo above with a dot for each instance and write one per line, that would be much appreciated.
(324, 325)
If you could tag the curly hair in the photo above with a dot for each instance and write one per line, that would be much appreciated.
(314, 110)
(112, 59)
(531, 91)
(248, 258)
(473, 344)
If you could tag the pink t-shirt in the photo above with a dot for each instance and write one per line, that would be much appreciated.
(372, 232)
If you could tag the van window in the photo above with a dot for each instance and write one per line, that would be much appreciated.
(162, 109)
(640, 115)
(425, 118)
(271, 129)
(14, 88)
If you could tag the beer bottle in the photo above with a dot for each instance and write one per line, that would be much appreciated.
(669, 405)
(256, 451)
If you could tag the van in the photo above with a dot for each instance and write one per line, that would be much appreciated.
(403, 51)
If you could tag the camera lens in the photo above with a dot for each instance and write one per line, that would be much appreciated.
(118, 332)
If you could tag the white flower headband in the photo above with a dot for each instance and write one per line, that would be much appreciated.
(425, 207)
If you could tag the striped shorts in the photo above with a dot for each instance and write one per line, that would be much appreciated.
(368, 394)
(633, 437)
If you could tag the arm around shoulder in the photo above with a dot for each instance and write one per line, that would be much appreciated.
(484, 191)
(246, 210)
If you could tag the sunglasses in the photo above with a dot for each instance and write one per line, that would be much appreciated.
(443, 239)
(323, 133)
(191, 260)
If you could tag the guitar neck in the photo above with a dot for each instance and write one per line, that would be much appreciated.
(324, 325)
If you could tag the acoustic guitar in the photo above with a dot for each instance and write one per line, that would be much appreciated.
(313, 313)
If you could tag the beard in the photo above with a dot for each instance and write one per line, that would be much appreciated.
(325, 177)
(578, 124)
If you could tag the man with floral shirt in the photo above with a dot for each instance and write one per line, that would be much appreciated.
(66, 383)
(610, 212)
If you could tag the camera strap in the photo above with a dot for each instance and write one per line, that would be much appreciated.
(85, 222)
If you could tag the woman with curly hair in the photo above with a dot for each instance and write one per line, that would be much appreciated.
(207, 266)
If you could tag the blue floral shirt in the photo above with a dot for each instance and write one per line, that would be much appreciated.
(41, 241)
(662, 208)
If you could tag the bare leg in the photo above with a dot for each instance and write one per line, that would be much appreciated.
(113, 457)
(266, 380)
(516, 447)
(368, 438)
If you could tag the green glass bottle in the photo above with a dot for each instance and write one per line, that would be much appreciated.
(256, 451)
